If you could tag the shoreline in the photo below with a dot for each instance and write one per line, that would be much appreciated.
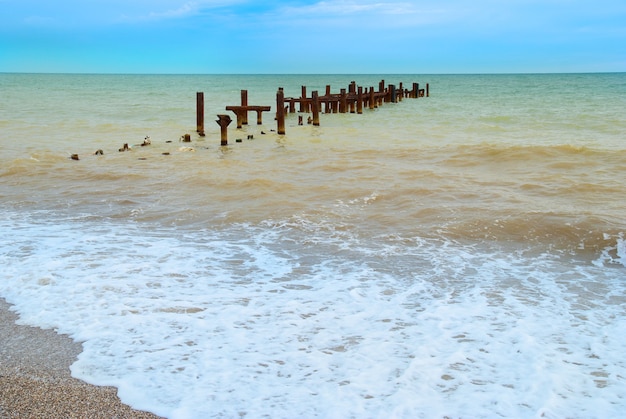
(35, 378)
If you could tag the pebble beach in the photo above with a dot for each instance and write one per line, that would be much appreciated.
(35, 379)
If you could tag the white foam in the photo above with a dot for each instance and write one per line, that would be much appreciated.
(291, 320)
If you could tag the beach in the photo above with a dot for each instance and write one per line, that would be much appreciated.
(35, 378)
(456, 255)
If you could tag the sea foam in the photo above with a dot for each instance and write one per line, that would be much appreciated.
(258, 321)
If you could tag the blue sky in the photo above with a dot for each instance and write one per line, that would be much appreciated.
(343, 36)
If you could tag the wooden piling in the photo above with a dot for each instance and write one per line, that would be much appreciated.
(359, 100)
(244, 102)
(223, 121)
(427, 90)
(315, 108)
(352, 91)
(343, 101)
(200, 113)
(280, 111)
(303, 105)
(392, 93)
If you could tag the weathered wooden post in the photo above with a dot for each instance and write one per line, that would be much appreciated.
(343, 101)
(359, 100)
(244, 102)
(400, 92)
(303, 107)
(427, 92)
(315, 108)
(200, 113)
(352, 90)
(223, 122)
(392, 93)
(416, 90)
(372, 98)
(280, 111)
(327, 103)
(381, 89)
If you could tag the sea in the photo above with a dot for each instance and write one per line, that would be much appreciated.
(461, 255)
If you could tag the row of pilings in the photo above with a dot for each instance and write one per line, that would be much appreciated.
(352, 99)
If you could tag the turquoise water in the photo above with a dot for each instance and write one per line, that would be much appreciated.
(457, 255)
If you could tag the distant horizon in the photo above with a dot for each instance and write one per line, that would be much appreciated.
(312, 37)
(310, 74)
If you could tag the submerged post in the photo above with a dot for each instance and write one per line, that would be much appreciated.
(244, 102)
(303, 104)
(200, 113)
(223, 122)
(352, 91)
(280, 111)
(315, 108)
(343, 101)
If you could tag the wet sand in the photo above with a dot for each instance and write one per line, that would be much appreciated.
(35, 378)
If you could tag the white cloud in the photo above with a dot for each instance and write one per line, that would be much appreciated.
(363, 14)
(179, 11)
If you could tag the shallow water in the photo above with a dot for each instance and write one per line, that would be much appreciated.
(461, 254)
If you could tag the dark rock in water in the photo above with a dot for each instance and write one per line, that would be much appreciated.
(74, 157)
(125, 147)
(99, 152)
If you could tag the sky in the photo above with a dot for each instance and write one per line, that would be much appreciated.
(302, 36)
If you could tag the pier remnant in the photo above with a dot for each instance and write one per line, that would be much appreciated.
(315, 108)
(351, 99)
(280, 111)
(200, 113)
(223, 122)
(241, 112)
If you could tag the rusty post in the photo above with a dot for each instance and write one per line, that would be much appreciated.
(328, 105)
(303, 107)
(372, 98)
(352, 90)
(223, 122)
(343, 101)
(200, 112)
(427, 92)
(315, 108)
(244, 102)
(392, 93)
(416, 90)
(359, 100)
(280, 110)
(400, 92)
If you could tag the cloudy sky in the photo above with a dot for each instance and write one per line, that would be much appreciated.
(312, 36)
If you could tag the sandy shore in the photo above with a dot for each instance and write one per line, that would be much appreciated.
(35, 380)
